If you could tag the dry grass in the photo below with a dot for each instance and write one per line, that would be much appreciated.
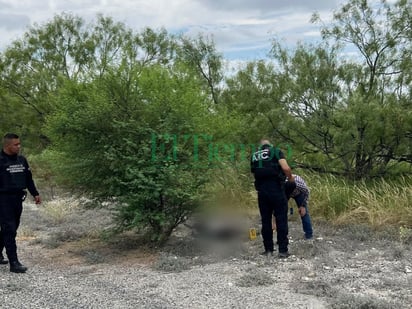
(62, 220)
(58, 210)
(378, 204)
(172, 263)
(26, 233)
(255, 277)
(349, 301)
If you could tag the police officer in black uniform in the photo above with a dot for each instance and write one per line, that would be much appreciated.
(15, 177)
(270, 169)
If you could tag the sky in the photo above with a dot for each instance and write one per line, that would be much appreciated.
(241, 29)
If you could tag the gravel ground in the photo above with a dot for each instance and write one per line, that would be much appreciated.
(133, 286)
(348, 268)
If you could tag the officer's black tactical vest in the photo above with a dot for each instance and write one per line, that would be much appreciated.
(265, 164)
(12, 173)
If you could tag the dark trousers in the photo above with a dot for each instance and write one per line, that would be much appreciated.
(11, 207)
(272, 201)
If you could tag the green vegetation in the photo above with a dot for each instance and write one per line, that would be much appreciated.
(150, 122)
(378, 203)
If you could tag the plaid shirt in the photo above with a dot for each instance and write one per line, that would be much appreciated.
(301, 188)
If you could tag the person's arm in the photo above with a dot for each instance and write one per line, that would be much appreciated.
(302, 189)
(301, 198)
(290, 189)
(30, 184)
(286, 169)
(302, 210)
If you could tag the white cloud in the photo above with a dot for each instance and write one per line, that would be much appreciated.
(240, 28)
(265, 5)
(13, 21)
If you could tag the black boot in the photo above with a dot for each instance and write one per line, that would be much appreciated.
(17, 267)
(3, 261)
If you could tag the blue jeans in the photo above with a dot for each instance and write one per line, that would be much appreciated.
(306, 222)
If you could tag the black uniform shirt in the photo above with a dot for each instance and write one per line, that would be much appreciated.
(265, 165)
(15, 174)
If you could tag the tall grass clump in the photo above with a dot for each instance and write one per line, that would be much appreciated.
(377, 203)
(329, 195)
(381, 203)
